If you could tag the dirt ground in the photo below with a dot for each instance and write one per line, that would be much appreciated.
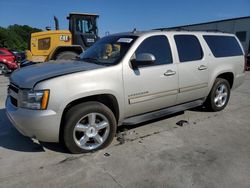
(209, 150)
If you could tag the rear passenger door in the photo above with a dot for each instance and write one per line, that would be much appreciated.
(192, 67)
(152, 86)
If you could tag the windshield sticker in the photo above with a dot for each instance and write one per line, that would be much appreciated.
(125, 40)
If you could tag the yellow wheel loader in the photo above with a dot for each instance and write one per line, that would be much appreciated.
(64, 44)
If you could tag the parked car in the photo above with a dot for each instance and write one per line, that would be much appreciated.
(7, 61)
(20, 56)
(124, 78)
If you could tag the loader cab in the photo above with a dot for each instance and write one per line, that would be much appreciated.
(83, 28)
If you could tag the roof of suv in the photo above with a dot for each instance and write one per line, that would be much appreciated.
(141, 33)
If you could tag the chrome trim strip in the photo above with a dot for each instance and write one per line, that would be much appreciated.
(161, 113)
(152, 96)
(189, 88)
(14, 92)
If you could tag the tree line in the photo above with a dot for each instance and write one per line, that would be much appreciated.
(16, 37)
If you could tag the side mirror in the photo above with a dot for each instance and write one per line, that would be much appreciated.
(143, 59)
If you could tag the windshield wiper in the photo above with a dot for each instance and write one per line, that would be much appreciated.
(94, 60)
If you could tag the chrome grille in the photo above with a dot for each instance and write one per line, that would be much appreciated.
(13, 93)
(14, 88)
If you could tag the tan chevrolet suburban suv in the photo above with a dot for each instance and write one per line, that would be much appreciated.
(124, 78)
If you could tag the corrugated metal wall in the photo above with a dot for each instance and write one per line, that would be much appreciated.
(230, 26)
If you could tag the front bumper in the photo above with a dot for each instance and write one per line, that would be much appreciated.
(12, 65)
(42, 125)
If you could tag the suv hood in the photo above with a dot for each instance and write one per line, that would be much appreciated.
(27, 77)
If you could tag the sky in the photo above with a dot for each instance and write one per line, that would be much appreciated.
(119, 16)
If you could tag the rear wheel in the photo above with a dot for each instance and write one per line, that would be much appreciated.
(3, 69)
(219, 95)
(88, 127)
(67, 55)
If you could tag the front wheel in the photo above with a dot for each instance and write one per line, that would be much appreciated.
(88, 127)
(67, 55)
(3, 69)
(219, 95)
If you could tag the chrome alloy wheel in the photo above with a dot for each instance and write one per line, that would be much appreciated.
(2, 69)
(91, 131)
(221, 95)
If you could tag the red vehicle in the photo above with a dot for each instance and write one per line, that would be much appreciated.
(8, 61)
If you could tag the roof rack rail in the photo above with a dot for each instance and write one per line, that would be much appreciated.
(185, 29)
(172, 29)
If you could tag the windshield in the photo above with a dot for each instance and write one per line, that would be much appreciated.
(108, 50)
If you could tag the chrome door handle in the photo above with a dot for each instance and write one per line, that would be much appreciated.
(169, 73)
(202, 67)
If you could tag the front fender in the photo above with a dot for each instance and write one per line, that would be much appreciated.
(73, 98)
(68, 88)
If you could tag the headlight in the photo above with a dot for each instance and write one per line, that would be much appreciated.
(36, 100)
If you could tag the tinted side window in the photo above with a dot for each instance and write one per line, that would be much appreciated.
(223, 46)
(242, 35)
(159, 47)
(189, 48)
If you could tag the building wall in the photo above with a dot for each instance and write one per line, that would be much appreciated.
(230, 26)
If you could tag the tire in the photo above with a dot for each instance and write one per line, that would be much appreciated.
(219, 95)
(88, 127)
(3, 69)
(67, 55)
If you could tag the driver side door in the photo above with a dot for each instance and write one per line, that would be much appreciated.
(152, 86)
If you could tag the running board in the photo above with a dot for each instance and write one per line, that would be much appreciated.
(161, 113)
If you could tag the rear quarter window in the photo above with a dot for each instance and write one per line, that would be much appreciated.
(223, 46)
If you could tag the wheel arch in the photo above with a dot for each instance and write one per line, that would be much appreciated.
(107, 99)
(6, 65)
(74, 48)
(229, 76)
(226, 72)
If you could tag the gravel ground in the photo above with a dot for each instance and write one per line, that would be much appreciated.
(208, 150)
